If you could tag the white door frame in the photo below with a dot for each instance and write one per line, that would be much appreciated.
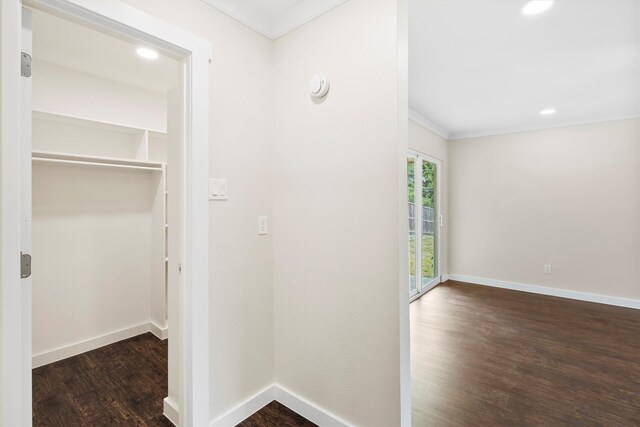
(194, 53)
(439, 218)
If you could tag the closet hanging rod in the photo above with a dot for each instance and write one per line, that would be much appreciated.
(110, 165)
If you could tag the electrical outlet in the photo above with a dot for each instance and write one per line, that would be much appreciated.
(262, 225)
(547, 269)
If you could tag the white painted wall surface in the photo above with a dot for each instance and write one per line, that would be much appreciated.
(569, 197)
(336, 213)
(241, 261)
(91, 240)
(65, 91)
(2, 141)
(426, 142)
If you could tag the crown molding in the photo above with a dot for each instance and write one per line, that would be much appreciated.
(520, 129)
(298, 15)
(424, 122)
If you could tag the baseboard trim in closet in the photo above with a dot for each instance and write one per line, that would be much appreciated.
(170, 410)
(91, 344)
(160, 333)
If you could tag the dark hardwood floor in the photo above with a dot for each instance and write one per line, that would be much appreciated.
(483, 356)
(121, 384)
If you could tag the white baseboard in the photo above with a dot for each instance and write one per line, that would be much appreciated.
(170, 410)
(247, 408)
(160, 333)
(307, 409)
(275, 392)
(92, 343)
(445, 277)
(535, 289)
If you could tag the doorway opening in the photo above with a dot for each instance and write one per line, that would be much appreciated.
(104, 148)
(191, 172)
(425, 220)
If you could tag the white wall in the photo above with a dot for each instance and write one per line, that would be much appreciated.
(92, 227)
(241, 261)
(65, 91)
(91, 237)
(2, 142)
(337, 165)
(569, 197)
(425, 141)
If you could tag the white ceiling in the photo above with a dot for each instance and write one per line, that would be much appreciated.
(480, 67)
(274, 18)
(73, 46)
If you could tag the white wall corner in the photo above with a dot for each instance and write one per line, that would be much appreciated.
(274, 26)
(244, 13)
(555, 292)
(247, 408)
(307, 409)
(300, 14)
(160, 332)
(170, 410)
(275, 392)
(444, 278)
(428, 124)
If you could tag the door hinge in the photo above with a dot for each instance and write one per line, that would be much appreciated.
(25, 64)
(25, 265)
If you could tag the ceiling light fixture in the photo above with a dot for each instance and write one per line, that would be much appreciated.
(548, 111)
(147, 53)
(536, 6)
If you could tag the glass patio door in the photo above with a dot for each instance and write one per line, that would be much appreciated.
(423, 178)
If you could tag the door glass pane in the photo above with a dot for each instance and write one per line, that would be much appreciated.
(429, 229)
(411, 163)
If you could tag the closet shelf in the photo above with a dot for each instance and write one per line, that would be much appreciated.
(86, 122)
(45, 156)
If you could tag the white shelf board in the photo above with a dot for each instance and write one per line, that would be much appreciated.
(95, 160)
(154, 134)
(92, 123)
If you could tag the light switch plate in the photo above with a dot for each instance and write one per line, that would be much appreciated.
(262, 225)
(218, 189)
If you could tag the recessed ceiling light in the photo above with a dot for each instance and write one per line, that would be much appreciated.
(147, 53)
(548, 111)
(536, 6)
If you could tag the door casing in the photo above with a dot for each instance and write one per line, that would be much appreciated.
(117, 18)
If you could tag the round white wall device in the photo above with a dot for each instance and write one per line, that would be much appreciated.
(319, 85)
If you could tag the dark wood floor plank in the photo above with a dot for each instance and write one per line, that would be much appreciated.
(119, 384)
(487, 356)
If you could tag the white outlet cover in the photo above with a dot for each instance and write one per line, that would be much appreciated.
(218, 189)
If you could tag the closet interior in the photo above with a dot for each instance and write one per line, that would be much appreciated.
(100, 201)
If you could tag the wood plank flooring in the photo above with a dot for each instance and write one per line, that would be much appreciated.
(483, 356)
(121, 384)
